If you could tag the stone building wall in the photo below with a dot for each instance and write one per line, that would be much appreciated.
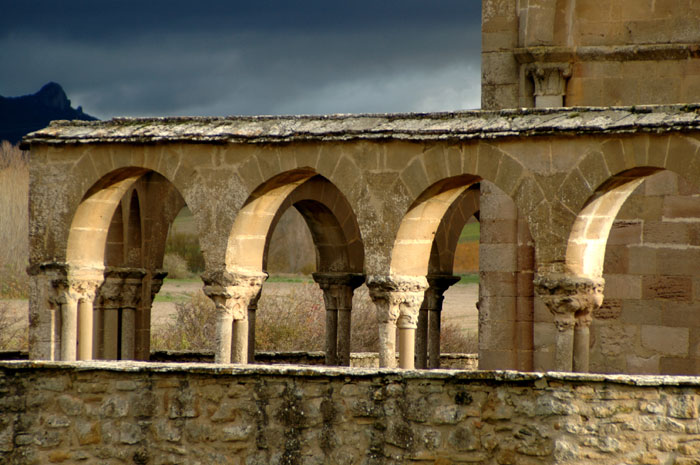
(620, 52)
(648, 322)
(138, 413)
(592, 53)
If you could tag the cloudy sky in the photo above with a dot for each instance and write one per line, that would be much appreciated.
(177, 57)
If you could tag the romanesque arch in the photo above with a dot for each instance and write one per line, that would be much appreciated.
(614, 173)
(340, 261)
(101, 300)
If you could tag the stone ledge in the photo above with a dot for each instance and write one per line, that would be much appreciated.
(211, 369)
(451, 126)
(636, 52)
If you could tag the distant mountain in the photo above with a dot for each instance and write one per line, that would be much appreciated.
(22, 115)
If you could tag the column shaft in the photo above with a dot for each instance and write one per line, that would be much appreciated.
(331, 336)
(407, 344)
(398, 300)
(232, 293)
(69, 330)
(572, 300)
(344, 322)
(434, 339)
(239, 346)
(111, 334)
(582, 337)
(337, 290)
(564, 345)
(128, 333)
(224, 333)
(85, 329)
(387, 344)
(251, 334)
(422, 339)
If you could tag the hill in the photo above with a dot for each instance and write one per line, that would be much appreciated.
(22, 115)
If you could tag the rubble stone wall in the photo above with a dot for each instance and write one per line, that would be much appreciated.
(140, 413)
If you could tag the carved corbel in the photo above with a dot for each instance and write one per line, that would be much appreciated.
(550, 82)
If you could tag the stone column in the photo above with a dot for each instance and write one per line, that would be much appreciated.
(143, 324)
(107, 309)
(130, 302)
(252, 309)
(232, 292)
(571, 299)
(398, 300)
(75, 295)
(428, 349)
(338, 290)
(550, 83)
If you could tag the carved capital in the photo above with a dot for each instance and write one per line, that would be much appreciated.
(338, 288)
(232, 292)
(571, 299)
(397, 298)
(121, 288)
(437, 285)
(157, 277)
(549, 78)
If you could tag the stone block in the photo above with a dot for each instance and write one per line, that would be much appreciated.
(642, 259)
(643, 365)
(616, 259)
(665, 232)
(498, 68)
(681, 207)
(681, 366)
(667, 287)
(662, 183)
(616, 340)
(498, 231)
(611, 309)
(497, 283)
(497, 257)
(640, 312)
(625, 232)
(623, 286)
(665, 340)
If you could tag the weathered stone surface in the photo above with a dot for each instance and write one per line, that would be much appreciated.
(453, 126)
(283, 413)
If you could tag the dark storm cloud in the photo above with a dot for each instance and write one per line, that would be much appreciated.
(272, 57)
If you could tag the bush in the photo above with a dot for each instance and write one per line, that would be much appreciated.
(176, 266)
(193, 328)
(13, 329)
(187, 247)
(287, 322)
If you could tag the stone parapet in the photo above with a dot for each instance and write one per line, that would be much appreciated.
(188, 413)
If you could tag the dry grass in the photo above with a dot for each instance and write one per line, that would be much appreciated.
(13, 329)
(286, 322)
(14, 219)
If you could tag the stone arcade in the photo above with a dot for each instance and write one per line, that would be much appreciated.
(590, 240)
(385, 197)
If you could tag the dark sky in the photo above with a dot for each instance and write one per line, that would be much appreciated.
(176, 57)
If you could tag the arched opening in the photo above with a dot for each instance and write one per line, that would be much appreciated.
(114, 255)
(339, 253)
(506, 267)
(639, 231)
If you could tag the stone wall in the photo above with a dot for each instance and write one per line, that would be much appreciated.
(621, 52)
(172, 413)
(648, 322)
